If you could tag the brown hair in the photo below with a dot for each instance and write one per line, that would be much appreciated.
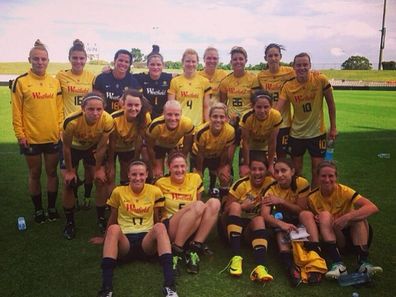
(78, 45)
(146, 107)
(155, 52)
(326, 163)
(300, 55)
(93, 96)
(174, 155)
(240, 50)
(260, 93)
(290, 164)
(210, 48)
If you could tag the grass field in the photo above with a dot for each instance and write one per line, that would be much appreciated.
(53, 68)
(39, 262)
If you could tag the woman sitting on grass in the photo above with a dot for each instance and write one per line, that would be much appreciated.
(280, 209)
(131, 232)
(340, 214)
(186, 216)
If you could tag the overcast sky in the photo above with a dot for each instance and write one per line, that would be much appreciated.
(330, 31)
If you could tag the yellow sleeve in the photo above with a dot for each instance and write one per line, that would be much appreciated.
(17, 108)
(114, 200)
(59, 104)
(173, 87)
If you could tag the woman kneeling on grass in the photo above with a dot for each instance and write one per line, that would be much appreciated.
(280, 209)
(340, 214)
(242, 217)
(131, 232)
(188, 219)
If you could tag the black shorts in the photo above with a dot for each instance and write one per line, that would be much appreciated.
(211, 163)
(125, 156)
(282, 141)
(38, 149)
(254, 155)
(238, 131)
(135, 247)
(161, 152)
(316, 146)
(88, 156)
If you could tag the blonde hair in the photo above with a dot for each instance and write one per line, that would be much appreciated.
(190, 51)
(218, 105)
(38, 45)
(208, 49)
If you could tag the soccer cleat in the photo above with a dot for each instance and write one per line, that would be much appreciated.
(39, 216)
(336, 270)
(235, 266)
(169, 292)
(368, 268)
(52, 214)
(70, 231)
(201, 248)
(260, 274)
(192, 262)
(102, 224)
(105, 293)
(295, 276)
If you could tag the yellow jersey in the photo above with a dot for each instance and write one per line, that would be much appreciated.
(136, 211)
(340, 202)
(86, 136)
(214, 81)
(307, 101)
(190, 92)
(260, 130)
(37, 108)
(302, 188)
(163, 137)
(179, 195)
(273, 82)
(238, 91)
(74, 87)
(242, 189)
(212, 146)
(127, 132)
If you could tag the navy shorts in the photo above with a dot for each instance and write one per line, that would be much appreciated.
(38, 149)
(161, 152)
(135, 247)
(316, 146)
(211, 163)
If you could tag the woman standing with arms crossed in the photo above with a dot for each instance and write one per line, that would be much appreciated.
(85, 137)
(75, 83)
(191, 90)
(112, 84)
(37, 116)
(155, 83)
(272, 80)
(236, 89)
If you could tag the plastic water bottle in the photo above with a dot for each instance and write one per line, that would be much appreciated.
(355, 294)
(329, 150)
(21, 224)
(384, 155)
(354, 278)
(277, 214)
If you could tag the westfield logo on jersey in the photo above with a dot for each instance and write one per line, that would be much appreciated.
(178, 196)
(39, 95)
(130, 207)
(74, 89)
(189, 95)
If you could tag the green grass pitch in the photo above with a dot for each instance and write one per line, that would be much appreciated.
(39, 262)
